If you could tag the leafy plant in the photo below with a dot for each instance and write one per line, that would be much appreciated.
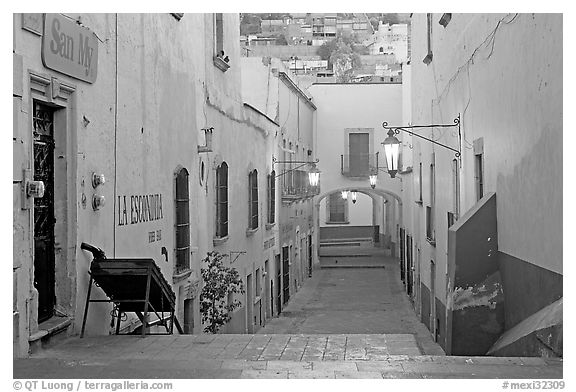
(219, 283)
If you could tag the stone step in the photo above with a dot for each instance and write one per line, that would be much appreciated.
(306, 356)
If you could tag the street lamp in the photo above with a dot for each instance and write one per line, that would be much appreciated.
(391, 150)
(373, 178)
(345, 195)
(353, 194)
(313, 175)
(392, 144)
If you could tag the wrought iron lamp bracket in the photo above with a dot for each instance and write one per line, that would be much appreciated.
(407, 129)
(301, 164)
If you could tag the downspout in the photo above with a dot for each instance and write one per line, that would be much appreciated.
(115, 139)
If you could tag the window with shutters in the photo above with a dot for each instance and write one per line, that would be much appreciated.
(222, 200)
(182, 204)
(253, 200)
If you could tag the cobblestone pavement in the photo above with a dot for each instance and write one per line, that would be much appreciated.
(353, 299)
(266, 356)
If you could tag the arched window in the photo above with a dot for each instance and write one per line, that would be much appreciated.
(222, 200)
(182, 205)
(253, 200)
(381, 49)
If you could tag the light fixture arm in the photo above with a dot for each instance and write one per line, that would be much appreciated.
(406, 129)
(302, 164)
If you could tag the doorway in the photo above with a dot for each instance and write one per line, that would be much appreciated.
(285, 274)
(309, 256)
(267, 297)
(433, 298)
(188, 316)
(278, 283)
(44, 222)
(250, 304)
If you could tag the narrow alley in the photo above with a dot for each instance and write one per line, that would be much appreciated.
(287, 195)
(353, 294)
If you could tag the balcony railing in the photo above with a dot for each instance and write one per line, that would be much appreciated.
(295, 186)
(358, 165)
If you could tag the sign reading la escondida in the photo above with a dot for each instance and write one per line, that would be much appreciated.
(69, 48)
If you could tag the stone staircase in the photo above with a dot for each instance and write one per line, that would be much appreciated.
(267, 356)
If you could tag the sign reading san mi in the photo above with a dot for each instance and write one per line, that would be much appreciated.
(69, 48)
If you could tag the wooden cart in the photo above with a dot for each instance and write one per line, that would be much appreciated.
(133, 285)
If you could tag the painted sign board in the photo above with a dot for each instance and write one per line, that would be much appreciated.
(69, 48)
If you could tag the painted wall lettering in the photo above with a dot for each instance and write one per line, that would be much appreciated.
(135, 209)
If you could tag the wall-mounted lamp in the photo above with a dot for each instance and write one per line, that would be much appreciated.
(208, 137)
(98, 179)
(313, 175)
(353, 196)
(392, 144)
(345, 195)
(98, 202)
(391, 151)
(373, 178)
(313, 172)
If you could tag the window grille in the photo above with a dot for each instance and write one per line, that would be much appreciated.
(182, 222)
(253, 199)
(272, 197)
(222, 200)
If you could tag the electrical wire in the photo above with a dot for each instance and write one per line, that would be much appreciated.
(490, 40)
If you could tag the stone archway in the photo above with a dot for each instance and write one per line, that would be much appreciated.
(388, 204)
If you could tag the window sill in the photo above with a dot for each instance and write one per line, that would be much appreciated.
(219, 240)
(180, 276)
(338, 223)
(221, 64)
(270, 226)
(250, 232)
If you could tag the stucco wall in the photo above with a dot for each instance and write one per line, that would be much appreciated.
(137, 124)
(512, 97)
(502, 74)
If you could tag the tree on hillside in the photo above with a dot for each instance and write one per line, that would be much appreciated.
(219, 283)
(281, 40)
(344, 61)
(342, 54)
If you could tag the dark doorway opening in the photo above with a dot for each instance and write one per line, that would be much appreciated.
(44, 222)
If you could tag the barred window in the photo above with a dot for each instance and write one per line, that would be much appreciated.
(222, 200)
(182, 205)
(272, 197)
(253, 199)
